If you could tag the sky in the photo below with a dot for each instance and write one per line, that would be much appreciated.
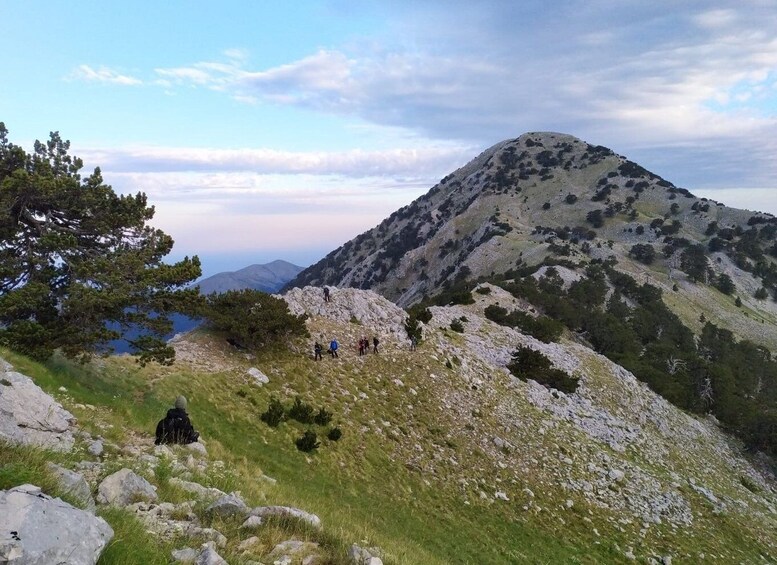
(280, 130)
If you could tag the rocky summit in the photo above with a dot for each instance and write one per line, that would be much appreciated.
(519, 202)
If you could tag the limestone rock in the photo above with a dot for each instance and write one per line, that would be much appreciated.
(74, 484)
(29, 416)
(361, 556)
(251, 523)
(185, 555)
(259, 377)
(124, 487)
(96, 448)
(197, 447)
(38, 529)
(209, 556)
(228, 505)
(206, 493)
(264, 511)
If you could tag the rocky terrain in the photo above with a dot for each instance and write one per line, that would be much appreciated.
(612, 471)
(550, 196)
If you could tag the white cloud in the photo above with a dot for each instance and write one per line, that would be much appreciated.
(356, 163)
(104, 75)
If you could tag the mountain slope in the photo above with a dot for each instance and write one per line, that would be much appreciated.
(538, 196)
(270, 277)
(445, 457)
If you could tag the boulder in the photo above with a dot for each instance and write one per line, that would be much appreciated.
(185, 555)
(29, 416)
(38, 529)
(74, 484)
(251, 523)
(123, 488)
(259, 377)
(228, 505)
(96, 448)
(287, 511)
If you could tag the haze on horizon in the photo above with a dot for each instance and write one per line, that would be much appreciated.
(263, 131)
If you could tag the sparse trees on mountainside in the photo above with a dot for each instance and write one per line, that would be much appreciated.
(76, 257)
(693, 262)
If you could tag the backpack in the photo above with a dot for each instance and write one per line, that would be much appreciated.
(333, 345)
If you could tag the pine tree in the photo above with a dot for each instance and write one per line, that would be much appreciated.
(79, 265)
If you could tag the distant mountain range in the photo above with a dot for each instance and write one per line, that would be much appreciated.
(270, 277)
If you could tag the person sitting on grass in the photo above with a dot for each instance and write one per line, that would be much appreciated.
(176, 426)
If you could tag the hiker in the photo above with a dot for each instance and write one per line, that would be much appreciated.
(317, 349)
(375, 343)
(363, 346)
(333, 348)
(413, 342)
(326, 294)
(176, 426)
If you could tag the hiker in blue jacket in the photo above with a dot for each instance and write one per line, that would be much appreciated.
(333, 348)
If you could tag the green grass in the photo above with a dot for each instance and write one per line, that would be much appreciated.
(360, 487)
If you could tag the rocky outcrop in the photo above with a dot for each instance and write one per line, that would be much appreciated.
(38, 529)
(29, 416)
(349, 305)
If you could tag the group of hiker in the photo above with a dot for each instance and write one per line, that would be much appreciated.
(364, 347)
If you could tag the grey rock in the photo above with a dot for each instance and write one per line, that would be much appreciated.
(205, 493)
(209, 556)
(125, 487)
(29, 416)
(198, 448)
(361, 556)
(228, 505)
(48, 530)
(264, 511)
(96, 448)
(185, 555)
(259, 377)
(74, 484)
(252, 522)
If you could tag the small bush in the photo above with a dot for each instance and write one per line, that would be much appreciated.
(275, 413)
(323, 417)
(334, 434)
(530, 364)
(457, 326)
(308, 441)
(301, 412)
(483, 290)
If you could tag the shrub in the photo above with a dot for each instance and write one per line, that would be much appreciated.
(570, 199)
(301, 412)
(335, 434)
(308, 441)
(275, 413)
(546, 206)
(457, 326)
(483, 290)
(252, 318)
(724, 284)
(594, 217)
(761, 294)
(323, 417)
(530, 364)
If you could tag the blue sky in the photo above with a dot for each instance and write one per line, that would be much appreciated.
(263, 130)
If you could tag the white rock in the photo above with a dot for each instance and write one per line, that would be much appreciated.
(259, 377)
(125, 487)
(252, 522)
(96, 448)
(228, 505)
(501, 495)
(73, 484)
(38, 529)
(29, 416)
(264, 511)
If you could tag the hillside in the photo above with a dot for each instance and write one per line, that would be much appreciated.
(445, 456)
(550, 197)
(270, 277)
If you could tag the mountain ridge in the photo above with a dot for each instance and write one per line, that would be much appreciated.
(268, 277)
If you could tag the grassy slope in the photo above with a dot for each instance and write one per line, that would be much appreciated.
(411, 474)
